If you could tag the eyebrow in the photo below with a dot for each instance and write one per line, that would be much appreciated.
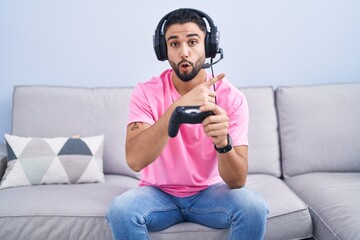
(189, 35)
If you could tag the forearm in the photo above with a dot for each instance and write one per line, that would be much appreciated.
(233, 168)
(144, 147)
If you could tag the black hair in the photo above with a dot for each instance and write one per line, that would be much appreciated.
(184, 15)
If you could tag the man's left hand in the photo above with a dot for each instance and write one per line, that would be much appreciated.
(216, 126)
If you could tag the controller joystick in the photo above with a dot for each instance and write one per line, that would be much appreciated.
(185, 114)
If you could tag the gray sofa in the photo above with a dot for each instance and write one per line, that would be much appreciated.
(304, 158)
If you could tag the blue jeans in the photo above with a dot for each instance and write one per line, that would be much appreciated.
(137, 211)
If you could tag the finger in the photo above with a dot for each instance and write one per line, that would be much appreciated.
(211, 99)
(215, 123)
(208, 107)
(211, 93)
(215, 132)
(215, 79)
(211, 96)
(213, 108)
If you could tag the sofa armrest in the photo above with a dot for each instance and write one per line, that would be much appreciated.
(3, 161)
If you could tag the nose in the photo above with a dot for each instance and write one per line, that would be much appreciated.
(184, 51)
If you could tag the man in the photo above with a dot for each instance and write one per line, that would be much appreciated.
(199, 175)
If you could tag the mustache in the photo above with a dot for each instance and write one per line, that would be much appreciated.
(185, 61)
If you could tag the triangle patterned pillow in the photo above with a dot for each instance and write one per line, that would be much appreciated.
(60, 160)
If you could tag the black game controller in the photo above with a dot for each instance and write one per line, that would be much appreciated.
(185, 114)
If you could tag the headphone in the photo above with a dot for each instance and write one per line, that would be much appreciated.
(211, 39)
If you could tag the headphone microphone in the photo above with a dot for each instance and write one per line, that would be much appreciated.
(207, 65)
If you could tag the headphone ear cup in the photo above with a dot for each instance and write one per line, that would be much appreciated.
(163, 48)
(213, 42)
(156, 44)
(207, 45)
(159, 46)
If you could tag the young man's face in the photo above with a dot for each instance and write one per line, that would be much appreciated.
(185, 49)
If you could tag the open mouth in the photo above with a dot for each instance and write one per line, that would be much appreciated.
(185, 66)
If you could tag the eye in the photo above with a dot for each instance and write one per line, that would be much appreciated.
(192, 42)
(174, 44)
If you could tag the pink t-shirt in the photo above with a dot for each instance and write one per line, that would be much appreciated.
(188, 163)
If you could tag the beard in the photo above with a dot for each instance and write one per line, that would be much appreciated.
(186, 77)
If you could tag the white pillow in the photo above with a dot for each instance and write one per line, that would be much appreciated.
(60, 160)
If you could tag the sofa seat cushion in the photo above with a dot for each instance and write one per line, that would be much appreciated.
(60, 211)
(288, 216)
(333, 200)
(189, 231)
(77, 211)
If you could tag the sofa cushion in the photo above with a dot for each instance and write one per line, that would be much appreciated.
(333, 200)
(264, 153)
(33, 161)
(60, 212)
(319, 128)
(189, 231)
(78, 211)
(51, 111)
(288, 216)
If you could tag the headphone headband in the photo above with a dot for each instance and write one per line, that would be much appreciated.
(211, 38)
(198, 12)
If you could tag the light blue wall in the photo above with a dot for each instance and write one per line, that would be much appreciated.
(109, 43)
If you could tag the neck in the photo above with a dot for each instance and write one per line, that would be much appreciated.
(184, 87)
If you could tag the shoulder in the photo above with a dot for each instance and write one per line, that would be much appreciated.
(153, 85)
(156, 82)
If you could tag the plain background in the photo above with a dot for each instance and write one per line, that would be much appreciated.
(107, 43)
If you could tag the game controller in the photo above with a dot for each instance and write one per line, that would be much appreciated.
(186, 114)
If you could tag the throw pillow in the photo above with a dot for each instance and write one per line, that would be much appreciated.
(60, 160)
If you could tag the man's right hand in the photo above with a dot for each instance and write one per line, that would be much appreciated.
(201, 94)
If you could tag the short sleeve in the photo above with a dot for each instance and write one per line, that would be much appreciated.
(239, 121)
(139, 109)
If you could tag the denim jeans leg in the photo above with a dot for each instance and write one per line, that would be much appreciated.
(137, 211)
(242, 210)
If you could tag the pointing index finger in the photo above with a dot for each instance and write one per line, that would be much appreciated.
(215, 79)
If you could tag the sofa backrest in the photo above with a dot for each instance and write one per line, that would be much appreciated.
(319, 128)
(48, 111)
(52, 111)
(264, 149)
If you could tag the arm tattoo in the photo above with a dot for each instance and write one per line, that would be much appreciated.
(135, 126)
